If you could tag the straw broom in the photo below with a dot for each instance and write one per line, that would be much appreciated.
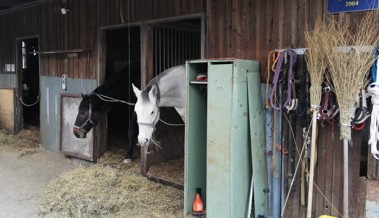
(348, 70)
(316, 65)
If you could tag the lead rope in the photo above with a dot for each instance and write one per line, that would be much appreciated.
(114, 100)
(270, 68)
(373, 89)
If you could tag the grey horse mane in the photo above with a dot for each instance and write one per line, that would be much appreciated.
(155, 82)
(149, 86)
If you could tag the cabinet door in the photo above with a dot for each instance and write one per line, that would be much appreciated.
(219, 112)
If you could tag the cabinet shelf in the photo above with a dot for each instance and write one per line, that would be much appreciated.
(199, 82)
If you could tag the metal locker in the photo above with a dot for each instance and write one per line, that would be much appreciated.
(217, 140)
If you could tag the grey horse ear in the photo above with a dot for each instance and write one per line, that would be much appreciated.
(136, 91)
(153, 93)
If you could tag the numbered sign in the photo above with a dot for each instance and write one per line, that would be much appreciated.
(338, 6)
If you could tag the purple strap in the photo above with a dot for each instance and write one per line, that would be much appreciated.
(291, 79)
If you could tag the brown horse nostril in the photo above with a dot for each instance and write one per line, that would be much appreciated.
(79, 134)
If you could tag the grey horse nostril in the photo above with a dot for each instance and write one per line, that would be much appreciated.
(146, 140)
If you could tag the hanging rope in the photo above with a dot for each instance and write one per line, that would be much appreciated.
(110, 99)
(272, 56)
(29, 105)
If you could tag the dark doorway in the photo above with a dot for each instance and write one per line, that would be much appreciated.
(123, 55)
(29, 82)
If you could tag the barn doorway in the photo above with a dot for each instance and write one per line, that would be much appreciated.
(28, 83)
(122, 56)
(174, 42)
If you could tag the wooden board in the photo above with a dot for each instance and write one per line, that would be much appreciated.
(7, 109)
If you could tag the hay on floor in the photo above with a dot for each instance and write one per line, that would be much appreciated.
(103, 191)
(172, 171)
(16, 145)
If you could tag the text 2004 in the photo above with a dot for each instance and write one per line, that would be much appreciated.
(351, 3)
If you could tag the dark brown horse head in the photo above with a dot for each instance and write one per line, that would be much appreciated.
(88, 117)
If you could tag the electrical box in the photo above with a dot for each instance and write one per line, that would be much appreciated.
(217, 143)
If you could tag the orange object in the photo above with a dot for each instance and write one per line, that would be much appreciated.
(198, 205)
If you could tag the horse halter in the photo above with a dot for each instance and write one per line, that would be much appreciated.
(88, 122)
(155, 121)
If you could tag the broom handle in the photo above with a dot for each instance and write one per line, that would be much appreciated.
(312, 162)
(345, 179)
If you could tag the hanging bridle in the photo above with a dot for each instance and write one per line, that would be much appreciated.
(291, 101)
(328, 109)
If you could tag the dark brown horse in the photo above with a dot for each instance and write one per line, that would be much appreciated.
(115, 90)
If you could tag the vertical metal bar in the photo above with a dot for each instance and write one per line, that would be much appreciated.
(176, 47)
(186, 45)
(194, 45)
(164, 49)
(169, 39)
(160, 50)
(155, 49)
(180, 46)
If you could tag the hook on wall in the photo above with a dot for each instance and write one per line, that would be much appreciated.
(63, 7)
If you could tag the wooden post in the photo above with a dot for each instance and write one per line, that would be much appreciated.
(146, 75)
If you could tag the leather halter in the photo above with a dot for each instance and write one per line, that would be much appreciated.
(88, 121)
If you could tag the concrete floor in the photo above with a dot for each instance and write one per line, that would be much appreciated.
(23, 179)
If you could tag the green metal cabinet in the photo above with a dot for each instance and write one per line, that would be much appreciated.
(217, 144)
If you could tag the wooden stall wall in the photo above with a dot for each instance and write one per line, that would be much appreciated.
(15, 24)
(250, 29)
(63, 33)
(78, 29)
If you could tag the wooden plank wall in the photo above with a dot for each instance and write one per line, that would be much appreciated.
(79, 29)
(14, 25)
(250, 29)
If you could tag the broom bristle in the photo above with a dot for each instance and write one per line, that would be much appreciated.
(348, 69)
(316, 62)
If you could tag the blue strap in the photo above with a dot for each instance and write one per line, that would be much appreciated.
(373, 68)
